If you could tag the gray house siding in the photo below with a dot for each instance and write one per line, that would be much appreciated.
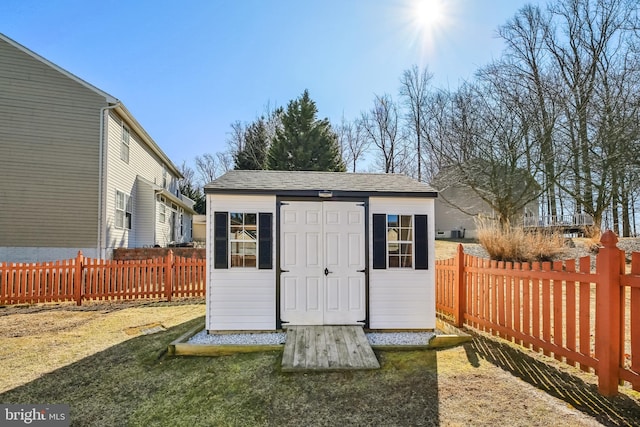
(49, 153)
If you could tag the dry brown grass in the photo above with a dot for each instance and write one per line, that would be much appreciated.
(506, 243)
(127, 384)
(41, 339)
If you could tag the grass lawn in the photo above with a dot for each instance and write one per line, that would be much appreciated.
(484, 383)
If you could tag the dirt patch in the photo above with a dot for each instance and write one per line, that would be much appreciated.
(149, 328)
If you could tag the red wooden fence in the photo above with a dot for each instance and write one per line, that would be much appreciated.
(95, 279)
(584, 318)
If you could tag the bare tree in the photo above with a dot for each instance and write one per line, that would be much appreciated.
(352, 141)
(414, 92)
(380, 127)
(594, 36)
(210, 166)
(527, 65)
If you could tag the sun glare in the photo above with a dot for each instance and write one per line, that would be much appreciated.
(429, 21)
(428, 13)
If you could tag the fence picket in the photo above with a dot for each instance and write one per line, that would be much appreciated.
(558, 319)
(570, 309)
(546, 308)
(585, 313)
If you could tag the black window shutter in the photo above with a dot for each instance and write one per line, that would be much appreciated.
(265, 244)
(221, 239)
(422, 244)
(379, 241)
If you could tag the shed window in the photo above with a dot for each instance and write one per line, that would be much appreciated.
(400, 241)
(243, 236)
(124, 146)
(123, 210)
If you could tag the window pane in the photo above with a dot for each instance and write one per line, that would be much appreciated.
(119, 219)
(250, 219)
(405, 221)
(119, 200)
(393, 248)
(236, 232)
(406, 248)
(405, 261)
(394, 261)
(392, 235)
(235, 218)
(249, 254)
(406, 234)
(392, 221)
(236, 254)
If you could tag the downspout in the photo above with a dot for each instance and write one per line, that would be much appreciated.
(102, 182)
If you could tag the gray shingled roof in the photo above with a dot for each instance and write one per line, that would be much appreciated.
(304, 182)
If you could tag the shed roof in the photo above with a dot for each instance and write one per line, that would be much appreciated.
(309, 183)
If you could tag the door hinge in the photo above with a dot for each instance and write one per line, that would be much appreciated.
(360, 204)
(362, 271)
(284, 271)
(284, 204)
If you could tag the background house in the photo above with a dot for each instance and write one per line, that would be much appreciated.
(319, 248)
(463, 192)
(77, 171)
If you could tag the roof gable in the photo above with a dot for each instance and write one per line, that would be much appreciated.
(108, 98)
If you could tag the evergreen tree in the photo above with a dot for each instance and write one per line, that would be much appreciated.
(303, 142)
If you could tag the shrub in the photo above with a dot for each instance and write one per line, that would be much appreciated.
(506, 243)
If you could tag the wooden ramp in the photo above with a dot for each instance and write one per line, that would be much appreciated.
(327, 348)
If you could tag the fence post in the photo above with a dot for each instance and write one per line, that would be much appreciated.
(608, 294)
(460, 295)
(168, 275)
(78, 278)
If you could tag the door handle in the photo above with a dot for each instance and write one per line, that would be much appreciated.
(326, 271)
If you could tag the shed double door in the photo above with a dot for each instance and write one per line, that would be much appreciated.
(322, 261)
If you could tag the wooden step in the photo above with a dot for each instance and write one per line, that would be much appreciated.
(327, 348)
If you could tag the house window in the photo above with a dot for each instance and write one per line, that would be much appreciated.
(123, 210)
(243, 233)
(162, 213)
(400, 241)
(124, 147)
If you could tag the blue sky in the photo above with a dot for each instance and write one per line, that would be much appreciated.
(188, 69)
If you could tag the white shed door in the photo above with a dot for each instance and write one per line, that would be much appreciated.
(323, 259)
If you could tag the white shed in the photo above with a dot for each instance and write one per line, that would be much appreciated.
(319, 248)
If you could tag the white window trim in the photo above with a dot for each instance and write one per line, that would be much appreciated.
(399, 242)
(162, 212)
(232, 241)
(125, 144)
(123, 210)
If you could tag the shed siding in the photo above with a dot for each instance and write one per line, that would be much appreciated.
(49, 142)
(122, 176)
(239, 299)
(402, 298)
